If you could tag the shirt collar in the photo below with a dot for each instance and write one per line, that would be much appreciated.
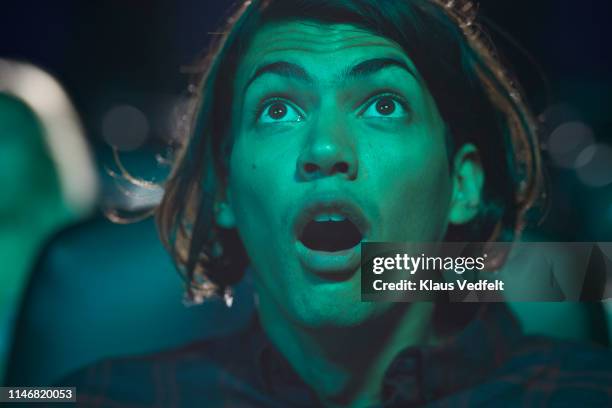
(478, 338)
(464, 359)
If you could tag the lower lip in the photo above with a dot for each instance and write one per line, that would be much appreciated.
(322, 262)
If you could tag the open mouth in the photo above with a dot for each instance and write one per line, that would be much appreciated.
(330, 233)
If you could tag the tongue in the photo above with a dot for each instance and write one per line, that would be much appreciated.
(330, 236)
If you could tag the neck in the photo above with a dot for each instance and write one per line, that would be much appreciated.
(346, 365)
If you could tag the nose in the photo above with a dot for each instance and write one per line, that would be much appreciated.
(329, 150)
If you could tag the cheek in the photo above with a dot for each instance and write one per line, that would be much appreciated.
(414, 190)
(261, 170)
(256, 185)
(246, 191)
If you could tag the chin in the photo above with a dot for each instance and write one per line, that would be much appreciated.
(332, 312)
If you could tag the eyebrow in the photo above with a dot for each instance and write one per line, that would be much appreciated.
(363, 69)
(281, 68)
(375, 65)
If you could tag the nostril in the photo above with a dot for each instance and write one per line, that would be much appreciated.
(310, 168)
(341, 167)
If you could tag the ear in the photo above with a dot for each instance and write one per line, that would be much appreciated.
(224, 214)
(468, 182)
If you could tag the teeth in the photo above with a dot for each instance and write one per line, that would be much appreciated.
(329, 217)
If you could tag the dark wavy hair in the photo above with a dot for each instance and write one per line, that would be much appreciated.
(476, 96)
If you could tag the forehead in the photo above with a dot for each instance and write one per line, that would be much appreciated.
(326, 49)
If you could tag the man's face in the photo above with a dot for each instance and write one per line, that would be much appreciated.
(336, 141)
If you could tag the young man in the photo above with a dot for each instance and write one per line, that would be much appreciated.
(321, 125)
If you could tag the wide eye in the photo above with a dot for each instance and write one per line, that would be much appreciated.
(277, 111)
(385, 106)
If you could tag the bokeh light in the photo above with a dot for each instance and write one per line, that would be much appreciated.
(596, 168)
(125, 127)
(567, 141)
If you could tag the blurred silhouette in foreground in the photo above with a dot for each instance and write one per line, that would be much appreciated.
(46, 176)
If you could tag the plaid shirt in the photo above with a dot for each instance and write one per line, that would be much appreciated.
(486, 363)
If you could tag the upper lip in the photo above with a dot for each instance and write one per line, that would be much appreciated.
(333, 205)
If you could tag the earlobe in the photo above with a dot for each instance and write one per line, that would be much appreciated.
(468, 183)
(224, 215)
